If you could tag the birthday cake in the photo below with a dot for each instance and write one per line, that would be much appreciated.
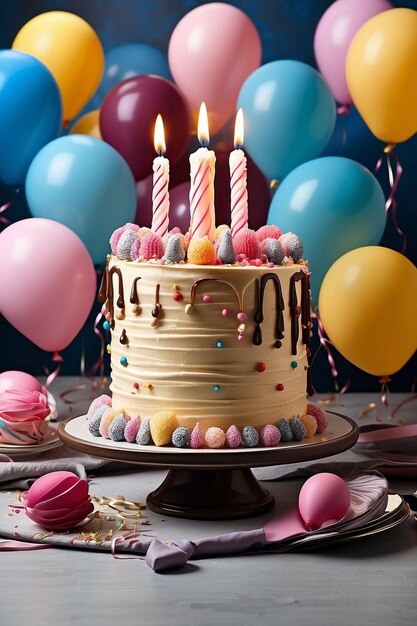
(209, 328)
(208, 355)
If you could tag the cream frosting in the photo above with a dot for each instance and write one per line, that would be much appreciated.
(189, 359)
(22, 415)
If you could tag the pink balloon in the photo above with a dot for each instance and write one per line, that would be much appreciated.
(334, 33)
(212, 51)
(13, 379)
(47, 281)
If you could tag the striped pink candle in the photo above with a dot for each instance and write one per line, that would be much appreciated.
(238, 181)
(202, 164)
(160, 194)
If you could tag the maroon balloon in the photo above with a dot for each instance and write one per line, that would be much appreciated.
(127, 121)
(143, 215)
(179, 208)
(259, 197)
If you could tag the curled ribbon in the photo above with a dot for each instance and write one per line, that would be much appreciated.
(326, 343)
(394, 179)
(4, 208)
(56, 358)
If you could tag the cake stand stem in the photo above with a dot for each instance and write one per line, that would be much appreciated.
(210, 494)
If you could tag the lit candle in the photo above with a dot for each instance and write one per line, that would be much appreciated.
(202, 164)
(238, 188)
(160, 194)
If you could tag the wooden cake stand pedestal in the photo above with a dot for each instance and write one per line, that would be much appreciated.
(212, 484)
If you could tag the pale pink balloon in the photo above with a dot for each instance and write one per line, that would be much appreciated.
(334, 33)
(212, 51)
(47, 281)
(14, 379)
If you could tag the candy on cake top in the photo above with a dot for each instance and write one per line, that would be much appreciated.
(266, 246)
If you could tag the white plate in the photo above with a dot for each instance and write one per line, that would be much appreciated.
(50, 441)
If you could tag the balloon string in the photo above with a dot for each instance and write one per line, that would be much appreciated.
(394, 180)
(56, 358)
(3, 208)
(343, 110)
(326, 343)
(385, 390)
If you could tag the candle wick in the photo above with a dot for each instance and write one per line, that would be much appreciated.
(204, 143)
(238, 146)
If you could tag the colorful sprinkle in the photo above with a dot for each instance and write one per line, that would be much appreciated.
(225, 312)
(144, 433)
(220, 344)
(162, 425)
(298, 429)
(233, 438)
(241, 316)
(280, 387)
(108, 349)
(135, 385)
(216, 388)
(132, 429)
(240, 337)
(250, 436)
(177, 296)
(320, 415)
(215, 438)
(285, 430)
(147, 386)
(270, 436)
(197, 438)
(106, 325)
(310, 424)
(180, 437)
(260, 367)
(294, 364)
(123, 361)
(207, 298)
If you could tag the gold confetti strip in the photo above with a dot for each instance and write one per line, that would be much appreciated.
(371, 407)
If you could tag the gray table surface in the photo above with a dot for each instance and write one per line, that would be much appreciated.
(371, 581)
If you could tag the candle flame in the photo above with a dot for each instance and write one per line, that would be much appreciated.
(239, 129)
(159, 136)
(203, 130)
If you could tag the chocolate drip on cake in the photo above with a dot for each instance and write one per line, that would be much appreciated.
(123, 338)
(102, 292)
(207, 280)
(158, 306)
(110, 294)
(296, 310)
(259, 314)
(134, 296)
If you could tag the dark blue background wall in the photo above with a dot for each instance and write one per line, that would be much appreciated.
(287, 30)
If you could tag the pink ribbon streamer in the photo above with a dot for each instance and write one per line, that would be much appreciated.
(56, 358)
(326, 343)
(4, 208)
(9, 545)
(394, 180)
(134, 539)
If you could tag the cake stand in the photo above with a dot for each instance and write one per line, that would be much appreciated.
(212, 484)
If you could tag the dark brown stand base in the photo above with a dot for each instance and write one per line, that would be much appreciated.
(210, 495)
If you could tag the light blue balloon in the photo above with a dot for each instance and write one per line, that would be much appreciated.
(85, 184)
(289, 114)
(133, 59)
(334, 205)
(30, 113)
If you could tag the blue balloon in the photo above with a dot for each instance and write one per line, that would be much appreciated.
(133, 59)
(334, 205)
(85, 184)
(30, 113)
(289, 114)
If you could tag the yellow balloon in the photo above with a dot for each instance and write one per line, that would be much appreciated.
(368, 307)
(88, 124)
(72, 51)
(381, 74)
